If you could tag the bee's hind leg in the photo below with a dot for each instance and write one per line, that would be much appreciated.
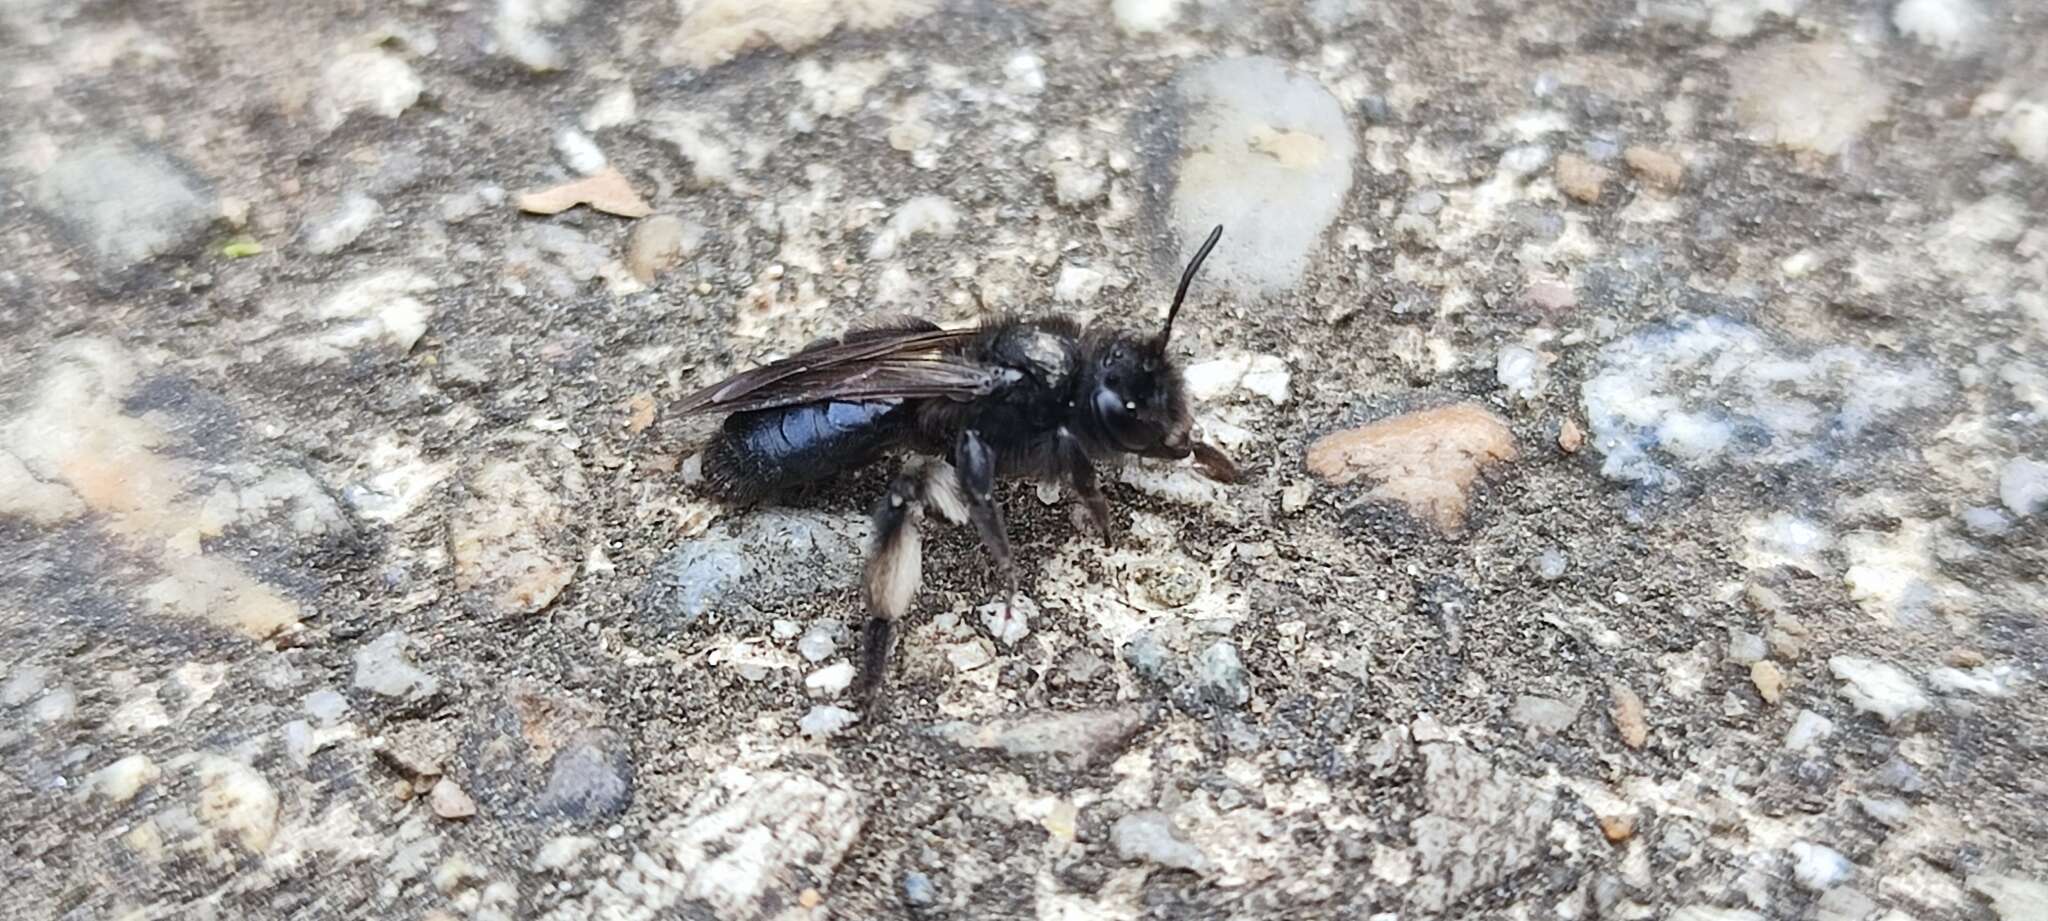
(976, 463)
(1080, 472)
(890, 578)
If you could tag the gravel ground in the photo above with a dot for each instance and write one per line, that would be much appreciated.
(1644, 408)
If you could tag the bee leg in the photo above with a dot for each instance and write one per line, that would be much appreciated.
(1081, 476)
(977, 466)
(1215, 464)
(890, 578)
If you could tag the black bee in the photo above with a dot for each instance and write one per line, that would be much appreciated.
(1045, 399)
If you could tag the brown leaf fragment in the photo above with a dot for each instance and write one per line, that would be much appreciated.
(607, 191)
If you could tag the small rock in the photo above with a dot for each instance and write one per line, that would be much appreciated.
(235, 799)
(658, 244)
(1769, 680)
(1078, 284)
(820, 641)
(1819, 867)
(1879, 688)
(1948, 26)
(382, 667)
(326, 706)
(462, 206)
(373, 81)
(1146, 654)
(616, 107)
(970, 655)
(1656, 167)
(1008, 623)
(925, 215)
(510, 540)
(128, 204)
(1296, 496)
(1808, 728)
(1149, 836)
(1626, 709)
(2023, 486)
(830, 680)
(561, 853)
(825, 721)
(333, 231)
(590, 778)
(1550, 565)
(579, 153)
(1221, 678)
(1077, 183)
(2013, 898)
(1807, 95)
(1581, 178)
(917, 889)
(1520, 371)
(1545, 714)
(57, 705)
(1426, 460)
(1083, 737)
(1745, 648)
(2025, 130)
(1985, 521)
(449, 802)
(23, 684)
(120, 781)
(1617, 828)
(1550, 295)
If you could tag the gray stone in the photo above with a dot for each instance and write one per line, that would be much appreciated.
(763, 561)
(590, 778)
(2023, 486)
(1221, 677)
(23, 684)
(1082, 738)
(917, 889)
(1546, 714)
(1266, 152)
(820, 641)
(333, 230)
(1482, 826)
(126, 203)
(383, 667)
(1146, 655)
(825, 721)
(1149, 836)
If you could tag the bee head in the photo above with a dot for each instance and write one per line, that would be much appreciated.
(1135, 398)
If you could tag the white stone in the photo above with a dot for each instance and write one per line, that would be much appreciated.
(373, 81)
(1267, 153)
(2013, 898)
(1985, 680)
(970, 655)
(1267, 376)
(1879, 688)
(579, 152)
(925, 215)
(381, 309)
(23, 684)
(1517, 369)
(1948, 26)
(1150, 836)
(2025, 129)
(831, 680)
(1785, 539)
(1805, 95)
(1808, 728)
(1733, 19)
(57, 705)
(1008, 623)
(561, 853)
(235, 799)
(825, 721)
(25, 495)
(1207, 380)
(817, 644)
(331, 232)
(382, 667)
(1138, 17)
(616, 107)
(326, 706)
(1025, 73)
(518, 27)
(1076, 183)
(2023, 486)
(1077, 284)
(1819, 867)
(1547, 714)
(121, 780)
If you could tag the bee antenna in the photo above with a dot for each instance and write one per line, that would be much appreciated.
(1186, 277)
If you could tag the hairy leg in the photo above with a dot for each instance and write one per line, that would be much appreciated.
(1080, 473)
(976, 464)
(890, 578)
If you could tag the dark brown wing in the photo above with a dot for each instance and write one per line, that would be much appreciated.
(869, 365)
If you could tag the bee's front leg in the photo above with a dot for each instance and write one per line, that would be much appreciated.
(1081, 476)
(976, 463)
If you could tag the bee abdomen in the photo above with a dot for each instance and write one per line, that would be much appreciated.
(756, 454)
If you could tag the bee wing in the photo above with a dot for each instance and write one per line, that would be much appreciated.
(908, 363)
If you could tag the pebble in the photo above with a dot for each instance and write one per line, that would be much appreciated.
(121, 780)
(2023, 486)
(374, 81)
(590, 778)
(1143, 17)
(1815, 96)
(510, 539)
(2025, 130)
(579, 153)
(561, 853)
(1808, 728)
(1545, 714)
(519, 29)
(449, 802)
(1008, 623)
(1077, 183)
(1626, 709)
(1520, 371)
(1266, 152)
(658, 244)
(1149, 836)
(1656, 167)
(341, 225)
(2012, 898)
(1580, 178)
(1769, 680)
(1745, 648)
(383, 667)
(1082, 737)
(923, 216)
(825, 721)
(1948, 26)
(1878, 688)
(917, 889)
(1221, 677)
(820, 641)
(1819, 867)
(235, 799)
(1985, 521)
(128, 204)
(23, 684)
(57, 705)
(1145, 654)
(1426, 460)
(1078, 284)
(326, 706)
(616, 107)
(1550, 565)
(467, 204)
(830, 680)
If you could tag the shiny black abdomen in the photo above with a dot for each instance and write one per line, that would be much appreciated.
(756, 454)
